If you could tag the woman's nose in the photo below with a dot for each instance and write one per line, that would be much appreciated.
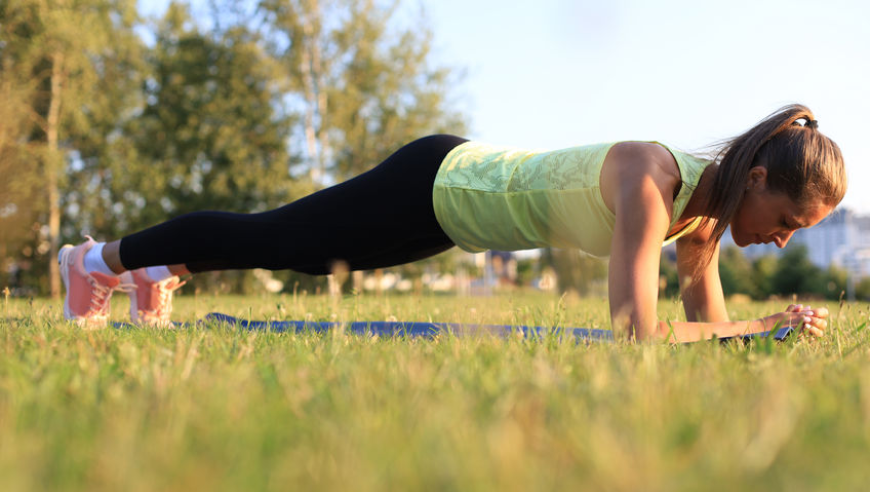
(782, 238)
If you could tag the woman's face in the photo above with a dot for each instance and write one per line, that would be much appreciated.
(766, 216)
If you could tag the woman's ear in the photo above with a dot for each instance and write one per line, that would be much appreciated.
(757, 179)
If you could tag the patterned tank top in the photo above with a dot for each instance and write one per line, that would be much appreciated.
(502, 198)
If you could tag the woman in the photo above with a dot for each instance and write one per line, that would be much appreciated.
(623, 200)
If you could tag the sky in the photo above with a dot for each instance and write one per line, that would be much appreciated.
(558, 73)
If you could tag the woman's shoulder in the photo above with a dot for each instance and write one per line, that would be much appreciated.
(631, 167)
(639, 158)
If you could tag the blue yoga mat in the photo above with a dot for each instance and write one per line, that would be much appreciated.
(424, 329)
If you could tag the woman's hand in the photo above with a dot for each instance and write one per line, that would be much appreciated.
(814, 320)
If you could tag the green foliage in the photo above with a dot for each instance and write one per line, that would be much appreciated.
(763, 270)
(387, 94)
(862, 289)
(68, 66)
(211, 134)
(669, 278)
(796, 274)
(790, 274)
(836, 281)
(19, 188)
(736, 272)
(527, 270)
(365, 82)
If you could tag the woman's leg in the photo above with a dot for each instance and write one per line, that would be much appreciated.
(380, 218)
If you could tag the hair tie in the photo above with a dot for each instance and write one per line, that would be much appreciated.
(813, 124)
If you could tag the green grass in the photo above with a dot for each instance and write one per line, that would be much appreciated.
(217, 409)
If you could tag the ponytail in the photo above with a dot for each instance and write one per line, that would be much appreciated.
(800, 162)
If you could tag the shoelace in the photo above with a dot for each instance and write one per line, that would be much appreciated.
(103, 293)
(164, 302)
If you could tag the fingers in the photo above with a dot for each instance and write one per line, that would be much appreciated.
(809, 320)
(821, 312)
(814, 320)
(812, 323)
(815, 326)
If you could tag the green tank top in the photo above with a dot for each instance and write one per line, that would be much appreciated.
(502, 198)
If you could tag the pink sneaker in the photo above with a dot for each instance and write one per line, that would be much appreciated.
(151, 303)
(87, 294)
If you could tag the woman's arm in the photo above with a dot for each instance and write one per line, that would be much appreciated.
(702, 297)
(813, 321)
(689, 331)
(637, 183)
(704, 301)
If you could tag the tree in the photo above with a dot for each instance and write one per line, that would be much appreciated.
(212, 133)
(387, 93)
(862, 290)
(763, 270)
(362, 84)
(365, 85)
(19, 185)
(735, 271)
(796, 274)
(64, 51)
(836, 281)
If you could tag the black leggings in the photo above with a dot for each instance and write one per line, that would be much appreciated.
(383, 217)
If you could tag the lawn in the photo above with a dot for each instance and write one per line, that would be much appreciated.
(213, 408)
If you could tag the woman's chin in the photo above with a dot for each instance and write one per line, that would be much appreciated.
(740, 241)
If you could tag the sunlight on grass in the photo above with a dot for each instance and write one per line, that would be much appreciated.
(213, 408)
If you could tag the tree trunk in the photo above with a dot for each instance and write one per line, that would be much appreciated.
(320, 78)
(52, 170)
(315, 95)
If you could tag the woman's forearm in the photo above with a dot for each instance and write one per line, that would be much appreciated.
(686, 331)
